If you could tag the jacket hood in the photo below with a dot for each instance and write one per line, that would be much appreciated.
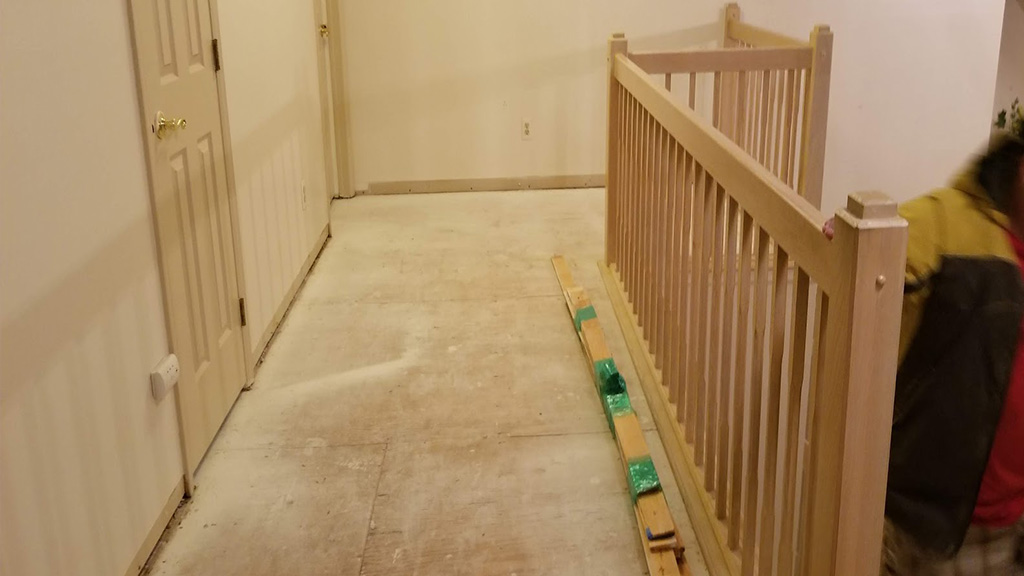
(968, 181)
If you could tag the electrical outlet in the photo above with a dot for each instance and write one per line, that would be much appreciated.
(527, 129)
(303, 194)
(164, 376)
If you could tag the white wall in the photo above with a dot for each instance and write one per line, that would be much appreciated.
(1010, 79)
(87, 457)
(912, 87)
(438, 89)
(271, 75)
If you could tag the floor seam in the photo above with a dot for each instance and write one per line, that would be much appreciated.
(373, 506)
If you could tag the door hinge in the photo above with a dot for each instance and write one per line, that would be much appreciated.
(241, 310)
(216, 55)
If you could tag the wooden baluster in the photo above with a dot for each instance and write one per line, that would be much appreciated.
(634, 158)
(641, 186)
(743, 329)
(809, 464)
(798, 354)
(686, 173)
(620, 266)
(671, 371)
(653, 233)
(763, 134)
(648, 247)
(704, 343)
(666, 239)
(693, 91)
(777, 346)
(787, 129)
(794, 128)
(668, 82)
(714, 359)
(781, 127)
(741, 110)
(755, 114)
(662, 243)
(769, 156)
(716, 102)
(727, 382)
(697, 318)
(756, 389)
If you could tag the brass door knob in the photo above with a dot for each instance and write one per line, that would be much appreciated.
(324, 30)
(164, 125)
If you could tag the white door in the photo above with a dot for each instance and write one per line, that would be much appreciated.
(177, 77)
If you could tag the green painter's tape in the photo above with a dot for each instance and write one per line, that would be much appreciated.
(615, 405)
(609, 381)
(582, 315)
(643, 478)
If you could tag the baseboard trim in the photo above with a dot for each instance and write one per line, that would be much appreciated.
(157, 530)
(286, 303)
(486, 184)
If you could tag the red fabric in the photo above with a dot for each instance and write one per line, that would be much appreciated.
(1001, 499)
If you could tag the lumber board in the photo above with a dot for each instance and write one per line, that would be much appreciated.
(710, 532)
(662, 562)
(630, 437)
(656, 516)
(654, 519)
(594, 342)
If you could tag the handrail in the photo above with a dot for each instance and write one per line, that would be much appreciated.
(766, 198)
(723, 60)
(759, 37)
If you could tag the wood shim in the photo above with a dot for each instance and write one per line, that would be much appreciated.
(658, 534)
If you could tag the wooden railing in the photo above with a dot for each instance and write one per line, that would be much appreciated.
(766, 350)
(766, 92)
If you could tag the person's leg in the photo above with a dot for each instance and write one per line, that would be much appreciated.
(985, 552)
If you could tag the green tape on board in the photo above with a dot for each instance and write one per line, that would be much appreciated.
(582, 315)
(615, 405)
(643, 478)
(609, 381)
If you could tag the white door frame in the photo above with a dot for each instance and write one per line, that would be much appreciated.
(338, 99)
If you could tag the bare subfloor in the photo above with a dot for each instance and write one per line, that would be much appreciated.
(426, 408)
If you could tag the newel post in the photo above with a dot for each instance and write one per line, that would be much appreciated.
(816, 90)
(616, 46)
(851, 418)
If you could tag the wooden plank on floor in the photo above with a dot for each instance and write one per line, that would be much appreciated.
(661, 544)
(710, 532)
(594, 343)
(656, 516)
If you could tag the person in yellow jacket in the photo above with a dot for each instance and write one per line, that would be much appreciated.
(955, 494)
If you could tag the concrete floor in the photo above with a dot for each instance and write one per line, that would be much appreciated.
(426, 408)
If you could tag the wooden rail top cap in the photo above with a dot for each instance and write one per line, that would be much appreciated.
(618, 35)
(871, 205)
